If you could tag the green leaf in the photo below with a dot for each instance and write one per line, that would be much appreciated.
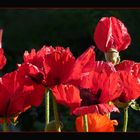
(135, 106)
(13, 122)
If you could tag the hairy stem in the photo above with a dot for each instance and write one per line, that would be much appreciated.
(125, 123)
(56, 116)
(47, 108)
(85, 123)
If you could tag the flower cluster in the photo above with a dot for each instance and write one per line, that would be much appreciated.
(90, 89)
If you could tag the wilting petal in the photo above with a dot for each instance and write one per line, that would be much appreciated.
(110, 32)
(67, 95)
(96, 123)
(99, 108)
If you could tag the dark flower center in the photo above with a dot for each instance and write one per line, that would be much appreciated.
(37, 78)
(89, 98)
(57, 80)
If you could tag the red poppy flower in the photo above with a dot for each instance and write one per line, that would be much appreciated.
(95, 96)
(57, 65)
(69, 96)
(109, 33)
(2, 56)
(100, 89)
(103, 78)
(58, 70)
(96, 123)
(96, 88)
(61, 68)
(15, 97)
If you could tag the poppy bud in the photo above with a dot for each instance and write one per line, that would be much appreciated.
(109, 33)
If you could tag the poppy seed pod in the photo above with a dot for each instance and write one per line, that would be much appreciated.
(112, 55)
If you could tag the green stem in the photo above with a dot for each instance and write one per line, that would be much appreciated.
(47, 108)
(109, 114)
(56, 116)
(125, 119)
(85, 123)
(5, 125)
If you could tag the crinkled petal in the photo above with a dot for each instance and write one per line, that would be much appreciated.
(57, 66)
(67, 95)
(131, 86)
(99, 108)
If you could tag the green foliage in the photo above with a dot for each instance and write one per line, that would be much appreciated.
(135, 106)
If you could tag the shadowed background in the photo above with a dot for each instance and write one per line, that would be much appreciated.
(25, 29)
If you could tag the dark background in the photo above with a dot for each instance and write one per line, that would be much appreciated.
(25, 29)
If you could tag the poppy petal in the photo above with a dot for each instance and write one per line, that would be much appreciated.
(96, 123)
(99, 108)
(67, 95)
